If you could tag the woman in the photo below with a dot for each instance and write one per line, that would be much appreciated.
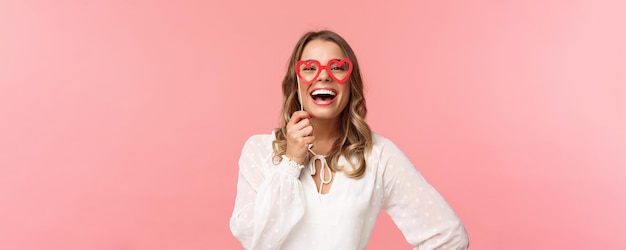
(321, 178)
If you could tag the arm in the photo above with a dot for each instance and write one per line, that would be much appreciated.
(419, 211)
(270, 199)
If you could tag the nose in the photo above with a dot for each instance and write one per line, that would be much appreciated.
(324, 77)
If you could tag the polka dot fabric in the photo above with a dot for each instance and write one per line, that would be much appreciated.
(278, 206)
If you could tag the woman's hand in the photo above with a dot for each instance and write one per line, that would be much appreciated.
(299, 136)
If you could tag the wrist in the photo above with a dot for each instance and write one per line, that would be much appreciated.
(290, 168)
(297, 160)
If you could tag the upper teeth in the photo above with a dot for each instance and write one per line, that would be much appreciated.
(323, 92)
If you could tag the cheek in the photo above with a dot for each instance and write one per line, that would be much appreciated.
(345, 91)
(304, 88)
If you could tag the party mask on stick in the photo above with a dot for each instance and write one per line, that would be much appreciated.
(309, 70)
(339, 70)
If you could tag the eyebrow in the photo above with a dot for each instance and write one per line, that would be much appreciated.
(338, 59)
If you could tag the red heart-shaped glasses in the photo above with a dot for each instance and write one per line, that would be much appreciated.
(338, 70)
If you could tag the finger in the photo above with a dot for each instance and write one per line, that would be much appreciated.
(299, 115)
(304, 142)
(297, 135)
(308, 140)
(294, 129)
(302, 124)
(306, 131)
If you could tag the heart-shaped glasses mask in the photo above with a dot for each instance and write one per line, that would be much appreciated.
(338, 70)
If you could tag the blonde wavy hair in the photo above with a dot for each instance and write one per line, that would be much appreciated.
(356, 141)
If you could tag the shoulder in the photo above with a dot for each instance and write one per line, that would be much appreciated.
(257, 150)
(385, 150)
(382, 144)
(260, 143)
(255, 155)
(389, 158)
(260, 138)
(379, 139)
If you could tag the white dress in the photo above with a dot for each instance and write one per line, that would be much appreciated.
(279, 207)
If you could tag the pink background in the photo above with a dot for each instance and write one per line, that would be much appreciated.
(121, 122)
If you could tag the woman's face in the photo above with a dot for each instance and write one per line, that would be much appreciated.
(324, 98)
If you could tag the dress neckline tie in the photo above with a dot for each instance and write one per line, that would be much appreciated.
(323, 169)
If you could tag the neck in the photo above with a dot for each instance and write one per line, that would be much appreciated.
(326, 131)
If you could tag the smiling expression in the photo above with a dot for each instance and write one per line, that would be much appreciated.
(324, 97)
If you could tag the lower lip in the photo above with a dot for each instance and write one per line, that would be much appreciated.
(323, 102)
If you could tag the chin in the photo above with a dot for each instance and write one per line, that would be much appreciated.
(325, 116)
(325, 113)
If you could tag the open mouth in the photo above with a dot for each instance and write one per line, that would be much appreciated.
(323, 96)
